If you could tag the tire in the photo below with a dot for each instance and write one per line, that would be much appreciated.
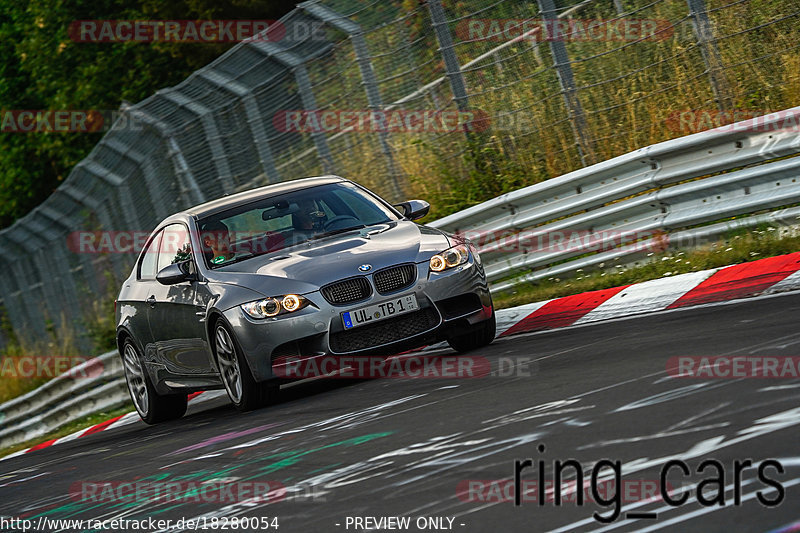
(245, 393)
(152, 407)
(481, 335)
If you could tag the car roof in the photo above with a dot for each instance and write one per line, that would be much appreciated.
(233, 200)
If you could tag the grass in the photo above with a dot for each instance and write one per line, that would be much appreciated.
(60, 342)
(71, 427)
(738, 247)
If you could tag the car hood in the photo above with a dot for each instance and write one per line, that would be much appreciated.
(304, 268)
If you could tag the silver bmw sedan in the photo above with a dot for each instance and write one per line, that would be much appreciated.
(223, 293)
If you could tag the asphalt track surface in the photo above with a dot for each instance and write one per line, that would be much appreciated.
(410, 447)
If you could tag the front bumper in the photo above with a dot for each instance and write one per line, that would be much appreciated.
(449, 301)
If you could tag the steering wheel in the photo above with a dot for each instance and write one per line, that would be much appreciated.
(338, 218)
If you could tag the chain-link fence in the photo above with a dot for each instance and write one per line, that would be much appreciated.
(455, 101)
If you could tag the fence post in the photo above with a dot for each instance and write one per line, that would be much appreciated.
(152, 180)
(211, 132)
(710, 52)
(451, 65)
(296, 63)
(310, 103)
(254, 120)
(118, 185)
(67, 223)
(566, 79)
(54, 266)
(368, 79)
(25, 280)
(183, 173)
(20, 313)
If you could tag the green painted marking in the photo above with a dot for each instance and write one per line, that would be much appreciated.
(294, 457)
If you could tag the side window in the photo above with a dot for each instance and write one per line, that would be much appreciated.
(147, 267)
(175, 246)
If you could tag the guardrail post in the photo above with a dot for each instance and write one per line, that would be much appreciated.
(566, 79)
(710, 52)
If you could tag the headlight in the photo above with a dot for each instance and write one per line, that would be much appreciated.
(452, 257)
(279, 305)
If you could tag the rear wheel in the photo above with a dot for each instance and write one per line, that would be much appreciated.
(481, 335)
(243, 390)
(151, 406)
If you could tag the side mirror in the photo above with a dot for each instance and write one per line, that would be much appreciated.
(175, 273)
(414, 209)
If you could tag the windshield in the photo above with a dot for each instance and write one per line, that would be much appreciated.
(285, 220)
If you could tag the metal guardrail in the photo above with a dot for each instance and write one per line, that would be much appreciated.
(682, 188)
(94, 386)
(663, 189)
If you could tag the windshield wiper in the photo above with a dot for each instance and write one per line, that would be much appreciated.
(335, 232)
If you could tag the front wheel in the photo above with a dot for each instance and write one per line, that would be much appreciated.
(481, 335)
(151, 406)
(243, 390)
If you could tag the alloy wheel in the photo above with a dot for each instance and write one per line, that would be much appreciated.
(228, 364)
(134, 375)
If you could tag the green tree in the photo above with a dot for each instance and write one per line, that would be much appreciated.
(42, 68)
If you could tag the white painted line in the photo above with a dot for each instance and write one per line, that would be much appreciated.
(789, 283)
(646, 297)
(507, 318)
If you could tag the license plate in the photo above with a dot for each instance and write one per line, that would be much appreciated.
(376, 312)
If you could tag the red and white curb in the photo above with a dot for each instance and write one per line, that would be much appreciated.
(764, 276)
(119, 421)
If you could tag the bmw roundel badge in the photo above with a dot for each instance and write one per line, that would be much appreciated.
(365, 268)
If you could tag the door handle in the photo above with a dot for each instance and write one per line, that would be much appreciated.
(152, 301)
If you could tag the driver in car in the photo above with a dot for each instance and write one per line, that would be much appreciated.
(309, 217)
(216, 242)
